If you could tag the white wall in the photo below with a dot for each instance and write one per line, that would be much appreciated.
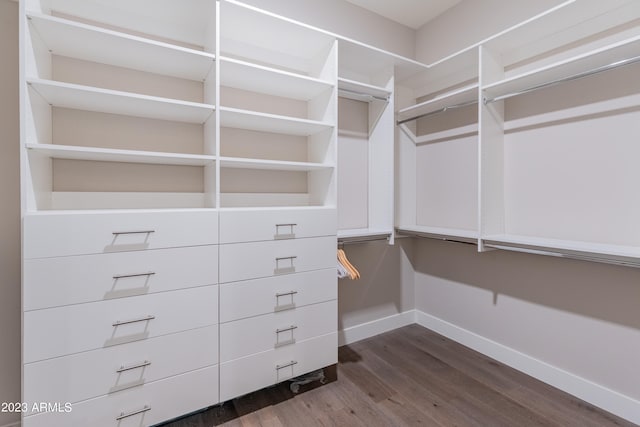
(9, 211)
(471, 21)
(345, 19)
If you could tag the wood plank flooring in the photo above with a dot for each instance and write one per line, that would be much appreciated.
(409, 377)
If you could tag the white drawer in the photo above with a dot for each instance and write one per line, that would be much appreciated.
(243, 261)
(66, 330)
(154, 402)
(272, 294)
(267, 332)
(248, 374)
(111, 370)
(63, 234)
(51, 282)
(277, 224)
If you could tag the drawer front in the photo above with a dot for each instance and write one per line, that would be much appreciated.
(48, 235)
(144, 406)
(67, 330)
(244, 261)
(252, 226)
(276, 330)
(248, 374)
(114, 369)
(52, 282)
(240, 300)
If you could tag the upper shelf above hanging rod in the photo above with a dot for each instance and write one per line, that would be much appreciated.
(362, 91)
(576, 76)
(458, 98)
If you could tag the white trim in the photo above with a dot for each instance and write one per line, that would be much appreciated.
(602, 397)
(375, 327)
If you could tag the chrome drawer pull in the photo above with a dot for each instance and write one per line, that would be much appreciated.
(286, 365)
(286, 293)
(117, 233)
(289, 235)
(129, 368)
(132, 413)
(122, 276)
(286, 257)
(290, 328)
(142, 319)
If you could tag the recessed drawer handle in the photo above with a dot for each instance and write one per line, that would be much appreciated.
(132, 413)
(142, 319)
(129, 368)
(122, 276)
(286, 365)
(291, 268)
(117, 233)
(290, 328)
(286, 257)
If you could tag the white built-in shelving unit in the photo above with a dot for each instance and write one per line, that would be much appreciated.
(530, 152)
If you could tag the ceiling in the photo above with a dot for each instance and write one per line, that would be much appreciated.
(412, 13)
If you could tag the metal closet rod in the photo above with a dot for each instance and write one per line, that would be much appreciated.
(601, 69)
(433, 113)
(365, 95)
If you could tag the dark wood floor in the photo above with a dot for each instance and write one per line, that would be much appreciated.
(410, 377)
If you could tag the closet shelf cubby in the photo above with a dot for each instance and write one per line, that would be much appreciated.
(273, 123)
(270, 81)
(80, 97)
(593, 61)
(78, 40)
(69, 152)
(278, 165)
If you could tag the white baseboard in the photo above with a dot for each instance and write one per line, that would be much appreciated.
(602, 397)
(375, 327)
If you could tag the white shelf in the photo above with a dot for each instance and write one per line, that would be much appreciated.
(617, 254)
(256, 78)
(455, 234)
(626, 49)
(76, 40)
(68, 95)
(363, 235)
(264, 122)
(454, 98)
(264, 200)
(241, 163)
(112, 155)
(261, 36)
(352, 86)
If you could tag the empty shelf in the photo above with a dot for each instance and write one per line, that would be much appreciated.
(231, 162)
(256, 78)
(456, 234)
(617, 254)
(458, 98)
(68, 38)
(264, 122)
(363, 89)
(68, 95)
(113, 155)
(565, 69)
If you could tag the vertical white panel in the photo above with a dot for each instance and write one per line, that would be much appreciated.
(491, 152)
(405, 200)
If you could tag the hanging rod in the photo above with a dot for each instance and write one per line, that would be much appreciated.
(433, 113)
(364, 95)
(601, 69)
